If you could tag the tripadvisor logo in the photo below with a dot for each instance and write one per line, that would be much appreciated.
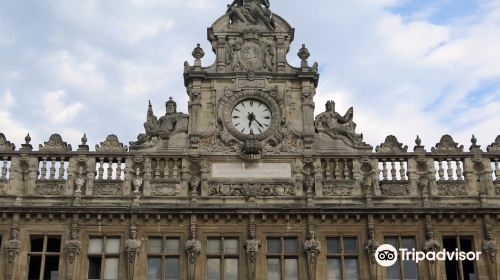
(387, 255)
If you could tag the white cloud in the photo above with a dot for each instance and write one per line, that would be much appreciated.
(56, 111)
(13, 129)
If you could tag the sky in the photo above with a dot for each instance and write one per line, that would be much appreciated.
(407, 67)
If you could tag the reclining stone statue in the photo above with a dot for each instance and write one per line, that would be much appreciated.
(332, 123)
(251, 12)
(163, 128)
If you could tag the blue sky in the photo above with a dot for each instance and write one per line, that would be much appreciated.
(407, 66)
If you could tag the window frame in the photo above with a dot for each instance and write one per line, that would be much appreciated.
(399, 238)
(44, 254)
(164, 255)
(221, 255)
(103, 255)
(282, 256)
(341, 255)
(458, 246)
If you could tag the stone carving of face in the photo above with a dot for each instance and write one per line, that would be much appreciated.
(170, 108)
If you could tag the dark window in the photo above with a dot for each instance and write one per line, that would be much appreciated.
(223, 254)
(342, 258)
(456, 269)
(282, 258)
(163, 258)
(406, 270)
(43, 258)
(103, 258)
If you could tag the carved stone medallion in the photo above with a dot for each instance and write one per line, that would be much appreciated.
(164, 189)
(251, 56)
(50, 188)
(249, 190)
(341, 188)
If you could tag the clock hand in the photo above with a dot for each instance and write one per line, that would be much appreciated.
(259, 123)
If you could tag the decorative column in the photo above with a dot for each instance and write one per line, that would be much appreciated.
(193, 248)
(252, 247)
(12, 249)
(371, 246)
(72, 249)
(431, 245)
(490, 250)
(312, 248)
(132, 246)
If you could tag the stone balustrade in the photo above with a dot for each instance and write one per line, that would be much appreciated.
(112, 175)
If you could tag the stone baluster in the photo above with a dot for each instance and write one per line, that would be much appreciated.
(441, 171)
(459, 170)
(52, 168)
(450, 169)
(328, 170)
(393, 170)
(4, 169)
(100, 171)
(119, 169)
(61, 169)
(338, 173)
(110, 169)
(402, 170)
(346, 169)
(175, 170)
(497, 170)
(166, 171)
(384, 170)
(157, 168)
(43, 170)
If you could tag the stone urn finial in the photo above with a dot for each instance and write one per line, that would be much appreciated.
(304, 53)
(198, 52)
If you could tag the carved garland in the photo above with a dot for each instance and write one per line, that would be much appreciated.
(250, 190)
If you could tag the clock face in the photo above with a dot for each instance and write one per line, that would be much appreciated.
(251, 116)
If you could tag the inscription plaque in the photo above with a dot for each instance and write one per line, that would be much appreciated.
(252, 170)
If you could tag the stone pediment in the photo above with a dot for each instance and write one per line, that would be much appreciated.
(447, 144)
(495, 146)
(55, 144)
(6, 146)
(111, 144)
(391, 145)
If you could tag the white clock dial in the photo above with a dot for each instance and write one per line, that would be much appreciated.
(251, 116)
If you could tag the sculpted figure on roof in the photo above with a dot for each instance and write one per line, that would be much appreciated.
(251, 12)
(333, 123)
(173, 122)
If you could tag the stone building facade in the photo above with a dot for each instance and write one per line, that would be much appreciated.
(248, 185)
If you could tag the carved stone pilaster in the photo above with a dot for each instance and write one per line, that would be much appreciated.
(252, 248)
(132, 246)
(11, 249)
(431, 245)
(193, 249)
(137, 184)
(79, 183)
(312, 248)
(72, 249)
(490, 250)
(371, 246)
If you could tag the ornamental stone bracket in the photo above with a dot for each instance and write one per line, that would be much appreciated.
(132, 246)
(12, 249)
